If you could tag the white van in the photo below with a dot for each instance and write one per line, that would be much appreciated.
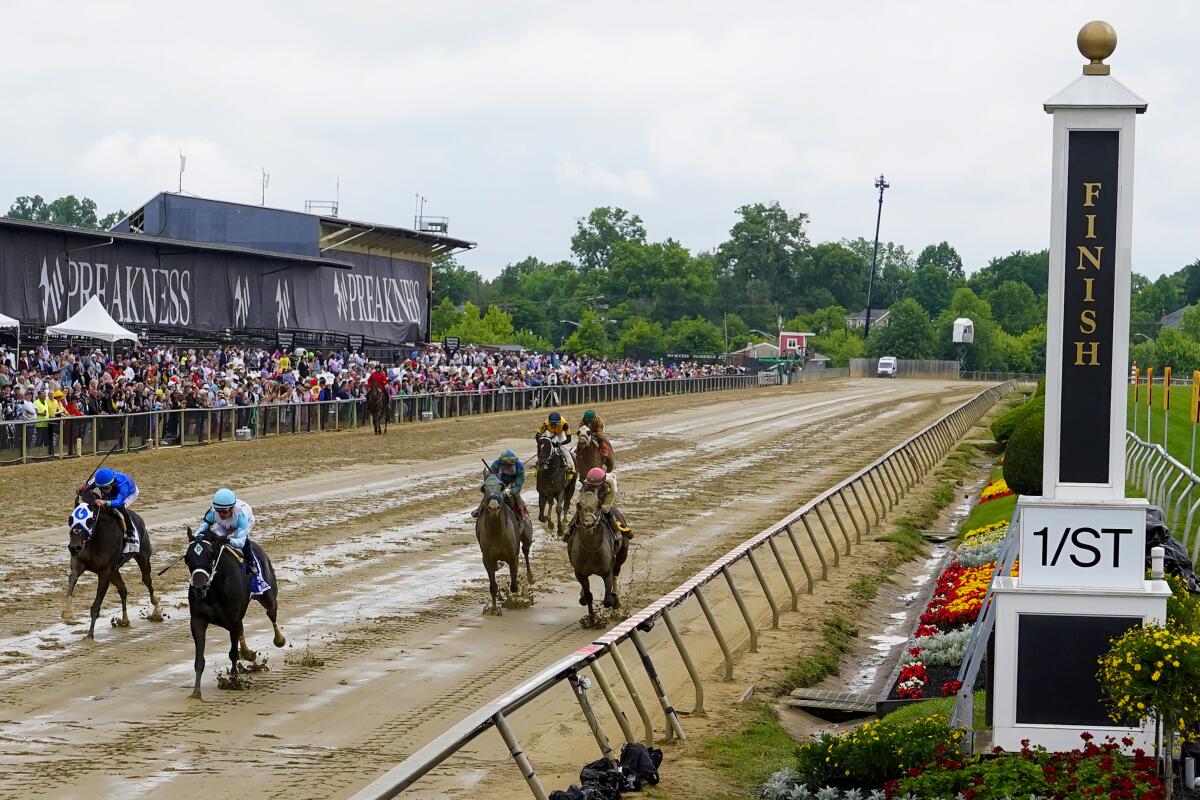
(886, 368)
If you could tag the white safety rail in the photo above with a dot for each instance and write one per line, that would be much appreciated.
(1168, 483)
(852, 506)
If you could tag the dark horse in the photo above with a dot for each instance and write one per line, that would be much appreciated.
(379, 408)
(97, 545)
(555, 487)
(502, 537)
(594, 548)
(592, 450)
(219, 594)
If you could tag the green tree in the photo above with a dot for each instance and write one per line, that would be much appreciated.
(944, 257)
(759, 263)
(908, 334)
(597, 236)
(443, 317)
(590, 338)
(980, 353)
(693, 336)
(1031, 269)
(493, 327)
(1177, 350)
(834, 270)
(932, 287)
(75, 212)
(1015, 307)
(840, 345)
(453, 281)
(641, 338)
(894, 268)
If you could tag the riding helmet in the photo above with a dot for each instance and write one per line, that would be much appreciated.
(105, 476)
(589, 415)
(596, 476)
(555, 418)
(224, 498)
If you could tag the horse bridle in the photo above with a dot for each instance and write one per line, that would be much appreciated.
(85, 522)
(198, 544)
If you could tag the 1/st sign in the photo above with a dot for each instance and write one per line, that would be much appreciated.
(1093, 545)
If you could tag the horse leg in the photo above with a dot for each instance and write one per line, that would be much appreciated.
(513, 568)
(244, 649)
(101, 589)
(143, 563)
(199, 628)
(492, 587)
(237, 635)
(119, 582)
(541, 507)
(68, 613)
(270, 602)
(585, 592)
(610, 596)
(526, 543)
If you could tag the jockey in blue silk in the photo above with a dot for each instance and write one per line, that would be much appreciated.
(233, 519)
(511, 472)
(117, 491)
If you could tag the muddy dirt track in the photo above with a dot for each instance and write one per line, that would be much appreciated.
(382, 589)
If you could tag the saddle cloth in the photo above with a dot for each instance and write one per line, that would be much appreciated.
(133, 542)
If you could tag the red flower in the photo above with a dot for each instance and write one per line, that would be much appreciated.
(1087, 737)
(950, 688)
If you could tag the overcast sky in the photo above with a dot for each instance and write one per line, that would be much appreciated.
(516, 118)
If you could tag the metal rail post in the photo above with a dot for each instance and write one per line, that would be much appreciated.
(837, 560)
(758, 573)
(618, 712)
(800, 555)
(857, 530)
(784, 571)
(861, 508)
(580, 691)
(813, 538)
(837, 518)
(518, 755)
(716, 629)
(741, 604)
(876, 511)
(697, 684)
(885, 499)
(633, 692)
(673, 725)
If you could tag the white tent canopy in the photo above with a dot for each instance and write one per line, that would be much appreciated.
(92, 322)
(8, 322)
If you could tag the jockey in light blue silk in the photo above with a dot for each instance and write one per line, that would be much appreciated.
(233, 519)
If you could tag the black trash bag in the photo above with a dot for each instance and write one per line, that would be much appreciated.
(1175, 560)
(584, 793)
(602, 776)
(640, 764)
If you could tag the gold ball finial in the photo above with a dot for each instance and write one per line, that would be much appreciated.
(1096, 40)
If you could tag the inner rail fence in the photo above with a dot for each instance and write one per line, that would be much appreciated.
(1168, 483)
(830, 524)
(38, 440)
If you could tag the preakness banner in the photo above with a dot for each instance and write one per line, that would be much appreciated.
(46, 277)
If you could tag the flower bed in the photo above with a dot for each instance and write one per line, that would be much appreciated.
(995, 490)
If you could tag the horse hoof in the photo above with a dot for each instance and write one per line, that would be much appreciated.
(153, 599)
(195, 695)
(68, 616)
(611, 601)
(279, 641)
(155, 615)
(120, 623)
(247, 654)
(584, 600)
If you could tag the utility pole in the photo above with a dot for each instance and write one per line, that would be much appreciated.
(880, 184)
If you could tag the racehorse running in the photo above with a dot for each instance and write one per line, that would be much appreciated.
(219, 594)
(555, 485)
(502, 537)
(378, 408)
(594, 548)
(97, 544)
(592, 450)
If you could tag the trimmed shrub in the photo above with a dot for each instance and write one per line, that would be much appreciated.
(1040, 391)
(1003, 427)
(1023, 456)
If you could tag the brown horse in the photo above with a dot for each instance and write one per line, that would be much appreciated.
(592, 450)
(555, 486)
(594, 548)
(379, 408)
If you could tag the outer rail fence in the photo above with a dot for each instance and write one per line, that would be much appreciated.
(39, 440)
(1167, 483)
(851, 507)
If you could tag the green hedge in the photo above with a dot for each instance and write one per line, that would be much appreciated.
(1023, 456)
(1003, 427)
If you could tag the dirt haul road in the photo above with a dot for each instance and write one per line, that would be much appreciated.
(382, 588)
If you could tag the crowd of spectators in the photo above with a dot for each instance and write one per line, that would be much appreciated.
(40, 384)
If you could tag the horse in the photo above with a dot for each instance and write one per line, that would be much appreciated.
(592, 450)
(97, 544)
(594, 548)
(555, 488)
(378, 408)
(219, 594)
(502, 536)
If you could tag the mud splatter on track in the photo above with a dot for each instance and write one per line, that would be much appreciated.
(381, 584)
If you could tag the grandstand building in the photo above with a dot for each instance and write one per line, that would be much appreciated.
(183, 268)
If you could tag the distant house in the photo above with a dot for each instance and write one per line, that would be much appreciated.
(760, 350)
(1174, 319)
(879, 318)
(793, 344)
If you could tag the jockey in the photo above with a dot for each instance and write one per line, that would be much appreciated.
(378, 378)
(560, 434)
(117, 491)
(233, 519)
(593, 423)
(606, 490)
(511, 472)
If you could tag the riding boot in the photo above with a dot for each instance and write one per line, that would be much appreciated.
(248, 558)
